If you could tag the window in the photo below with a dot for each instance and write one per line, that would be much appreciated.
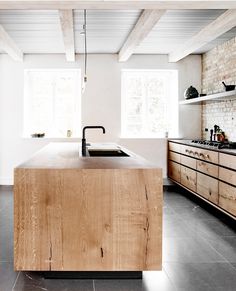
(52, 102)
(149, 103)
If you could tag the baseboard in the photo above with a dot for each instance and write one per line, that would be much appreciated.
(6, 181)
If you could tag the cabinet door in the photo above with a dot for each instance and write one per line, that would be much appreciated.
(207, 187)
(174, 171)
(207, 168)
(189, 162)
(174, 157)
(227, 197)
(175, 147)
(228, 161)
(227, 176)
(188, 178)
(207, 155)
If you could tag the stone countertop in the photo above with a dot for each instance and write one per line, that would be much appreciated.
(67, 155)
(189, 143)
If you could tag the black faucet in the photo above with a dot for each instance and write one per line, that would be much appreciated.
(84, 140)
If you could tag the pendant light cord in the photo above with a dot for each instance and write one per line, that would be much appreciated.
(85, 45)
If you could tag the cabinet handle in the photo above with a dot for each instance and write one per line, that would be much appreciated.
(201, 155)
(196, 153)
(207, 156)
(187, 151)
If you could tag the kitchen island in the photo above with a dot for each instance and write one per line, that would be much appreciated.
(74, 213)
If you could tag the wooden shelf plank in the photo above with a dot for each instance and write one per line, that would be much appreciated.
(214, 97)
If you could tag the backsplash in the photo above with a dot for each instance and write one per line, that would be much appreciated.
(222, 113)
(219, 65)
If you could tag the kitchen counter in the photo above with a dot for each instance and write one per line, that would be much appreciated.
(74, 213)
(189, 143)
(68, 155)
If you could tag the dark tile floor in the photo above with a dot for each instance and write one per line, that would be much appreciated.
(199, 253)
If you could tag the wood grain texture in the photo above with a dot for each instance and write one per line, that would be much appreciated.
(228, 161)
(227, 176)
(208, 168)
(175, 147)
(188, 178)
(67, 155)
(227, 197)
(174, 157)
(189, 162)
(208, 187)
(87, 219)
(174, 171)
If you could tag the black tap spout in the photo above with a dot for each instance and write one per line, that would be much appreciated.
(84, 139)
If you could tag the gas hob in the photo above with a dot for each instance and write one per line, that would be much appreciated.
(215, 144)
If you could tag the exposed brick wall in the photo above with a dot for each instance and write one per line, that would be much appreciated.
(219, 65)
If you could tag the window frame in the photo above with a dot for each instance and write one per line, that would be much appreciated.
(172, 102)
(26, 99)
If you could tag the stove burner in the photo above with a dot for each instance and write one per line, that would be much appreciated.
(215, 144)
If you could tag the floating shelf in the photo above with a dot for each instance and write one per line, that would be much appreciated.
(214, 97)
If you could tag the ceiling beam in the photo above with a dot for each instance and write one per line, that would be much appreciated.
(117, 4)
(67, 28)
(144, 25)
(219, 26)
(9, 46)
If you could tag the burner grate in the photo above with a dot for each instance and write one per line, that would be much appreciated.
(215, 144)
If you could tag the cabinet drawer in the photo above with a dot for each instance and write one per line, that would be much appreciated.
(207, 168)
(228, 161)
(227, 176)
(174, 157)
(189, 151)
(174, 171)
(189, 162)
(206, 155)
(188, 178)
(227, 197)
(208, 187)
(174, 147)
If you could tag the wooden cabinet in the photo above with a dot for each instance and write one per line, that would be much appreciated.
(228, 176)
(207, 187)
(189, 162)
(202, 154)
(207, 173)
(188, 178)
(174, 157)
(174, 147)
(227, 197)
(227, 161)
(86, 214)
(207, 168)
(174, 171)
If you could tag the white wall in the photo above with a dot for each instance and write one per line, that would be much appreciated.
(100, 104)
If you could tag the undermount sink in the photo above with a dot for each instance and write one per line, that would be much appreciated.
(107, 153)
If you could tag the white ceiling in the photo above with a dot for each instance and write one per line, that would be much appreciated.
(39, 31)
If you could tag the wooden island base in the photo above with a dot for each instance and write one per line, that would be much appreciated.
(77, 218)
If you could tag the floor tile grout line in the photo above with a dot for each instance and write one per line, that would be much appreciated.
(14, 285)
(172, 283)
(206, 241)
(234, 267)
